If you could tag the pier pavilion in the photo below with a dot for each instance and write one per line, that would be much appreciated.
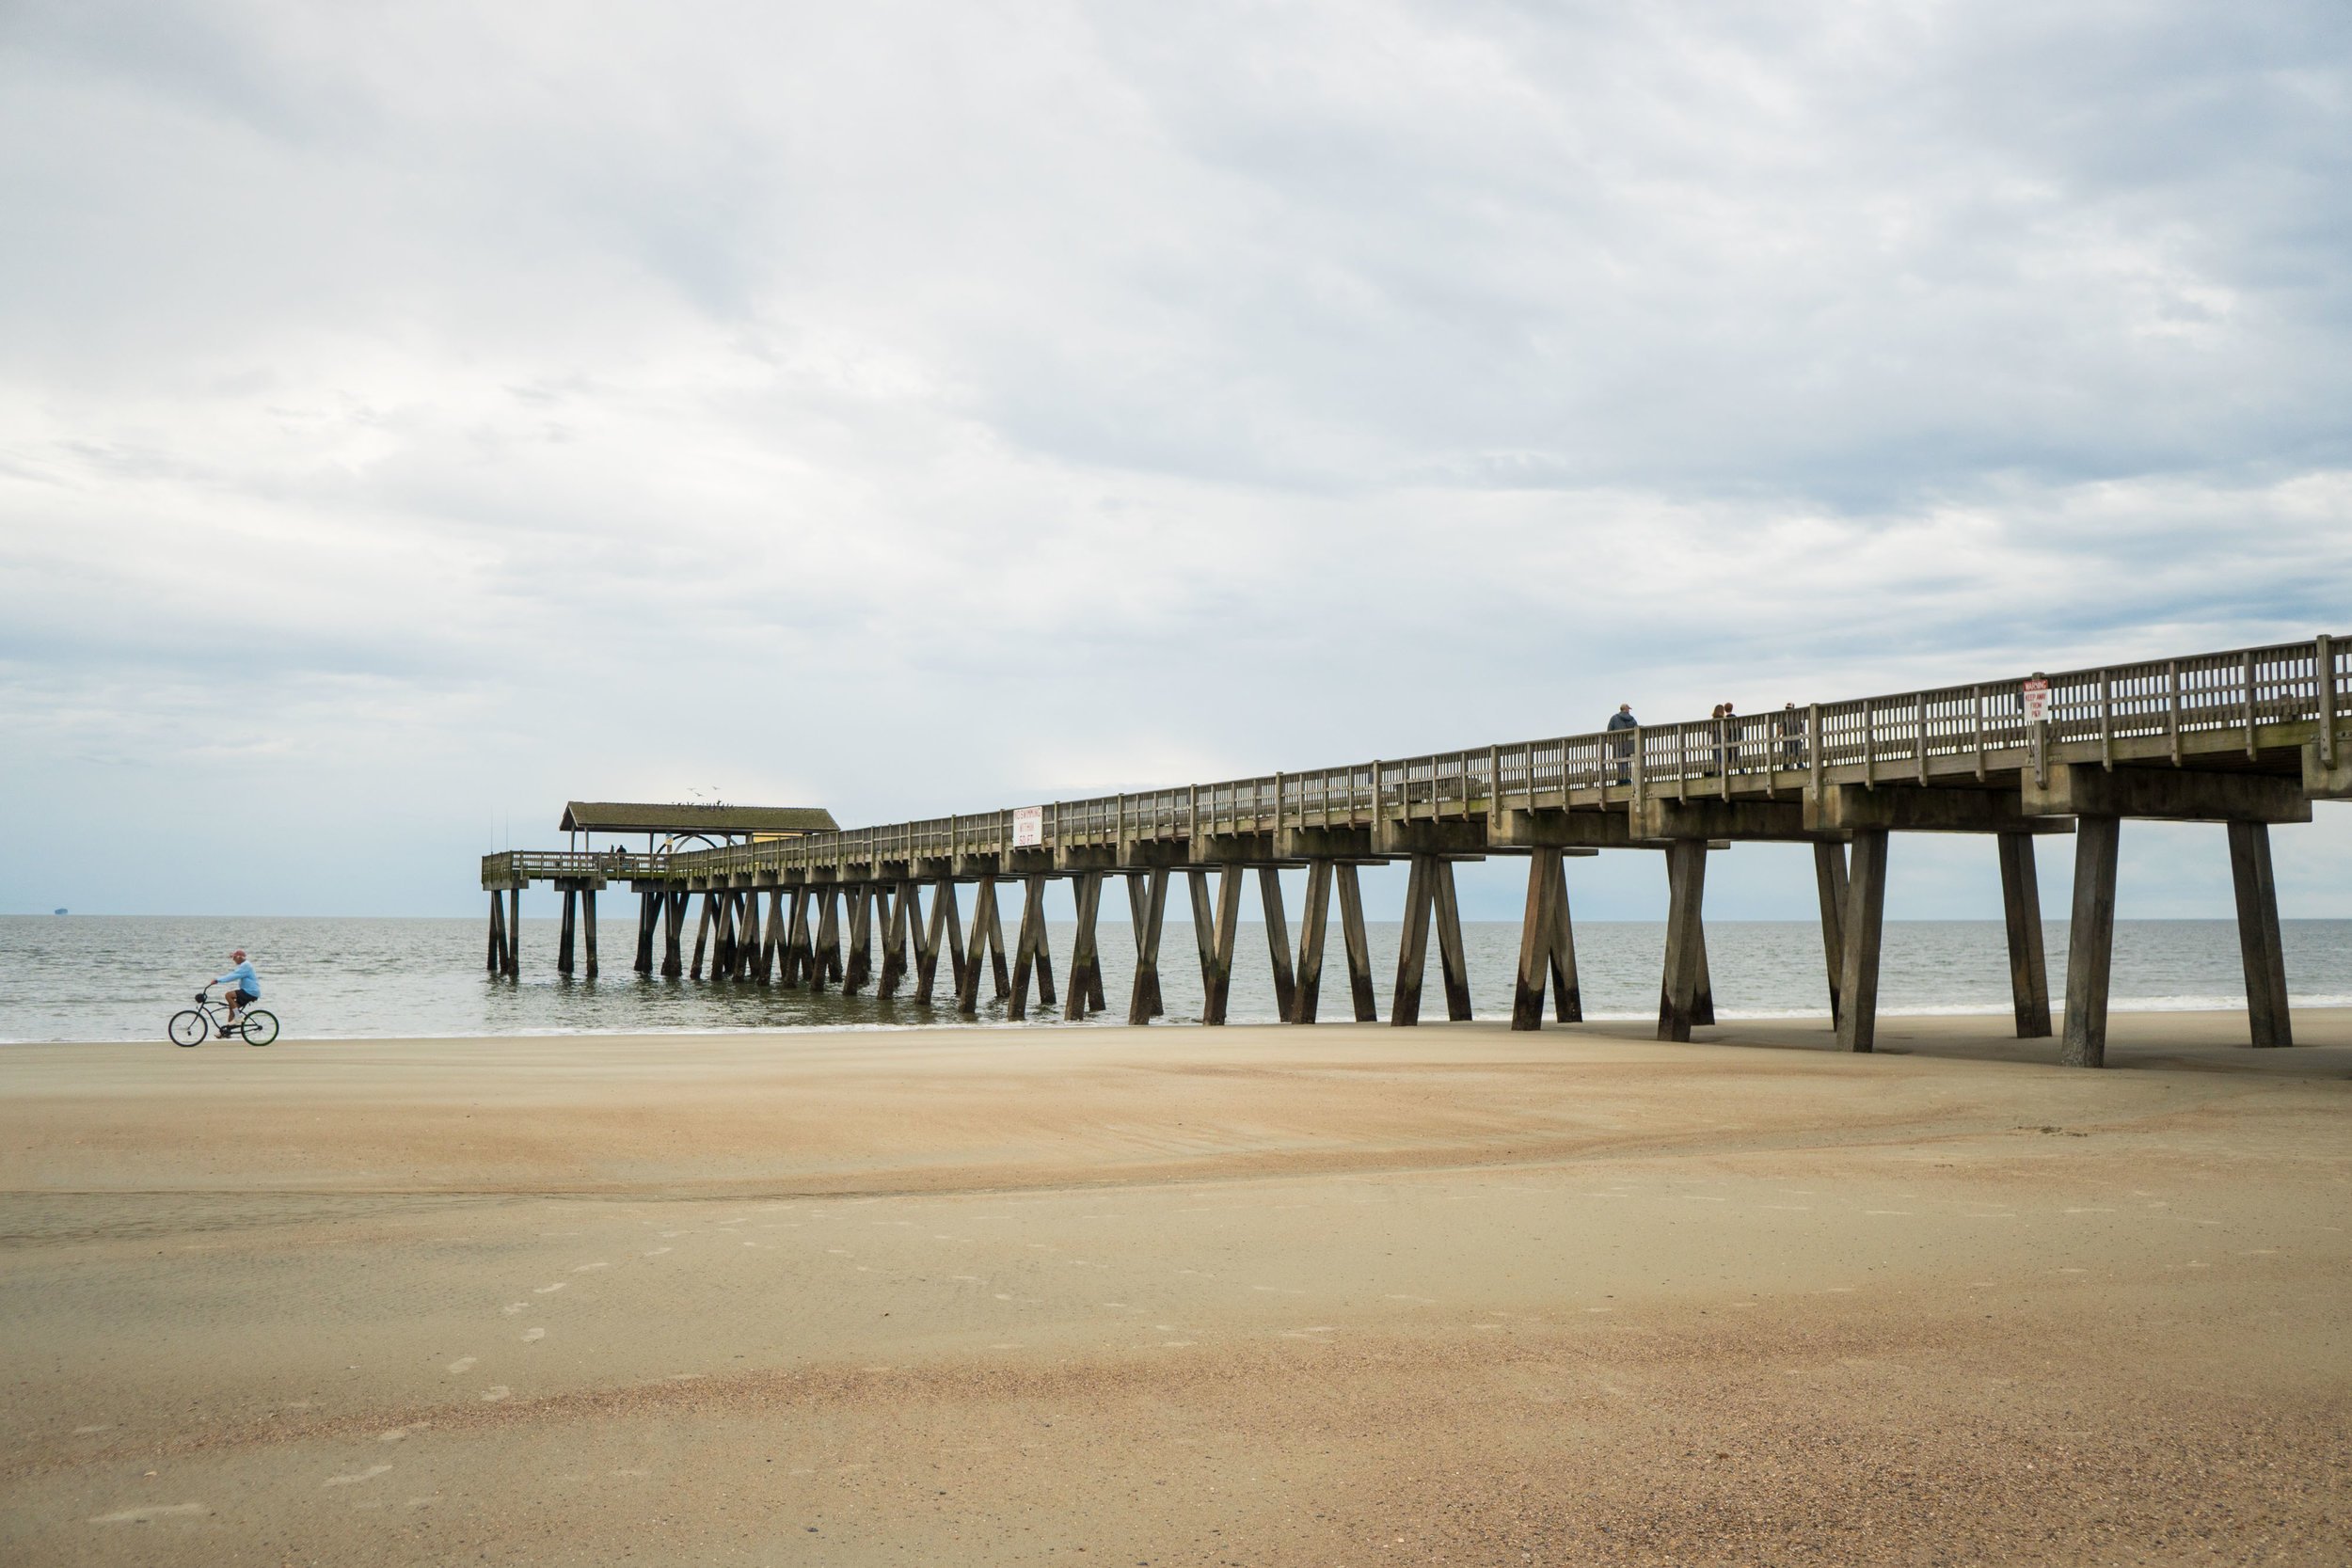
(2248, 738)
(668, 827)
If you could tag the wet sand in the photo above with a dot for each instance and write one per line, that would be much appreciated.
(1350, 1295)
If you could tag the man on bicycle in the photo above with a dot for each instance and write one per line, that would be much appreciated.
(245, 987)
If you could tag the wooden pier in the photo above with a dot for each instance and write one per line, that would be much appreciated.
(2248, 738)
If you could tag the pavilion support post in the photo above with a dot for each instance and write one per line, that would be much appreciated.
(498, 931)
(702, 936)
(1453, 957)
(1829, 882)
(649, 918)
(2259, 947)
(2021, 910)
(1567, 993)
(1686, 892)
(1085, 957)
(1314, 919)
(1147, 894)
(1864, 926)
(1278, 940)
(1359, 987)
(673, 930)
(1535, 939)
(2090, 940)
(1147, 909)
(588, 928)
(859, 970)
(564, 938)
(1412, 948)
(514, 932)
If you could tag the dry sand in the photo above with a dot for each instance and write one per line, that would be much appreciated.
(1350, 1295)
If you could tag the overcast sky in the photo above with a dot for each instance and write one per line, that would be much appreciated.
(412, 417)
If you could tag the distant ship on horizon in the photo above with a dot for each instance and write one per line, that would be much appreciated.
(57, 912)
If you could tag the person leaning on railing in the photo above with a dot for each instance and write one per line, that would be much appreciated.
(1623, 720)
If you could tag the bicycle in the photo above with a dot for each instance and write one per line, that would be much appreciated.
(194, 1025)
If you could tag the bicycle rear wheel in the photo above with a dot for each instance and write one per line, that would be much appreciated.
(189, 1028)
(259, 1027)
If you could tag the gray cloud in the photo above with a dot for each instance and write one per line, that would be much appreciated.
(418, 417)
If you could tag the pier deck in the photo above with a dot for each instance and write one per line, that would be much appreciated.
(2249, 737)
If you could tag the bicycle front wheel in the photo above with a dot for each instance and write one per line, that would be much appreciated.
(189, 1028)
(259, 1027)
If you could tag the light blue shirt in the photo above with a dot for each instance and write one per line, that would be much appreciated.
(246, 981)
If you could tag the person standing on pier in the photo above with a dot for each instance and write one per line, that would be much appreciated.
(1623, 720)
(1792, 734)
(245, 986)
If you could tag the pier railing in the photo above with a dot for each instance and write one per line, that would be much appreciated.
(2175, 703)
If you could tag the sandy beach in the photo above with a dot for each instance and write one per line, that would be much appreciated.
(1347, 1295)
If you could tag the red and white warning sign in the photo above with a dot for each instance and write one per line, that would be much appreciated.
(2036, 693)
(1028, 827)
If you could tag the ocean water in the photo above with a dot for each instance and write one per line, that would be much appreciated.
(120, 977)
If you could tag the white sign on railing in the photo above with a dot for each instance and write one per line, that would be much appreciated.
(1028, 827)
(2036, 694)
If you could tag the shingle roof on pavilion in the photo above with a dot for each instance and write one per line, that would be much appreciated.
(635, 816)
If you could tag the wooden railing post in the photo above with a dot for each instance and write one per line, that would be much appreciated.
(2324, 674)
(2249, 704)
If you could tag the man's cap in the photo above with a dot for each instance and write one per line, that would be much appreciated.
(239, 953)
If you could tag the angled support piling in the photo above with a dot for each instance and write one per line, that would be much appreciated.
(1213, 930)
(2021, 911)
(702, 935)
(826, 959)
(1453, 957)
(1086, 958)
(1278, 940)
(1686, 892)
(1865, 930)
(1412, 948)
(673, 932)
(2259, 945)
(564, 940)
(1361, 994)
(1030, 957)
(1829, 881)
(1147, 906)
(1314, 919)
(2090, 940)
(858, 970)
(1536, 944)
(904, 918)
